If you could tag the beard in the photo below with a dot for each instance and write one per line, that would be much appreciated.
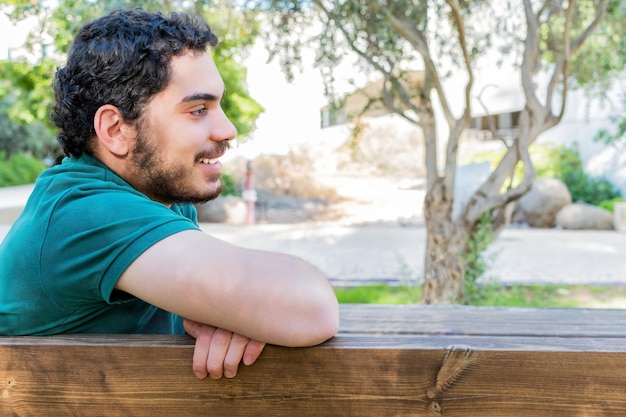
(171, 183)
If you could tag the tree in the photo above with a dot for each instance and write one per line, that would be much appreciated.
(29, 82)
(440, 36)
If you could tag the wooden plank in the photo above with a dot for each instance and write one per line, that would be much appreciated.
(496, 321)
(354, 374)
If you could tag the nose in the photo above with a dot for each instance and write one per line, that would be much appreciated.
(223, 128)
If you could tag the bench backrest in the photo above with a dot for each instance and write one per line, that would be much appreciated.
(386, 361)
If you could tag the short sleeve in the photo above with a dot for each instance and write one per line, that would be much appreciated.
(93, 237)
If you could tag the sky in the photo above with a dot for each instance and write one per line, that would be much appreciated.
(291, 109)
(12, 36)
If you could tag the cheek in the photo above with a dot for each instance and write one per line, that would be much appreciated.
(188, 135)
(180, 140)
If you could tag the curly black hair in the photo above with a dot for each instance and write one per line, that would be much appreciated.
(122, 59)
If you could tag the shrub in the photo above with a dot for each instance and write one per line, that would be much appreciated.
(582, 187)
(475, 260)
(20, 169)
(229, 186)
(610, 204)
(7, 176)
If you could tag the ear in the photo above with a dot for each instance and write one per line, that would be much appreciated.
(113, 134)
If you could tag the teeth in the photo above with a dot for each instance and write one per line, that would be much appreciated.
(209, 161)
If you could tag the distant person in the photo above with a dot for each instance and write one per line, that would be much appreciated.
(109, 241)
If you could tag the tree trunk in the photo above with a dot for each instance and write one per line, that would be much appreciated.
(445, 243)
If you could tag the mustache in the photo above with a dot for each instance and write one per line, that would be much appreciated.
(218, 150)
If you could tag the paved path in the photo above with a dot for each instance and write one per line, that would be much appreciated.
(350, 254)
(390, 252)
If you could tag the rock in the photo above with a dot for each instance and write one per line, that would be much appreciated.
(228, 209)
(582, 216)
(547, 196)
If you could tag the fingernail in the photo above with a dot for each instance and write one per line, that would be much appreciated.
(229, 374)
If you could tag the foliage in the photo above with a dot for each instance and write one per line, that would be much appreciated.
(522, 296)
(475, 259)
(30, 88)
(378, 294)
(619, 119)
(610, 204)
(229, 186)
(20, 169)
(609, 54)
(582, 187)
(33, 137)
(488, 295)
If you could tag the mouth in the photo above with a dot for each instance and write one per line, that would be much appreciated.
(209, 161)
(211, 158)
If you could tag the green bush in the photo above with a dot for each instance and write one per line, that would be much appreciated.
(582, 187)
(610, 204)
(7, 176)
(20, 169)
(229, 187)
(475, 260)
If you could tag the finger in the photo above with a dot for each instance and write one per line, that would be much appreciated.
(253, 351)
(217, 353)
(204, 335)
(191, 327)
(234, 355)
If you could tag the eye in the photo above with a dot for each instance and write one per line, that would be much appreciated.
(199, 112)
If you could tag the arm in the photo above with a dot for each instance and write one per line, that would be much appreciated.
(265, 296)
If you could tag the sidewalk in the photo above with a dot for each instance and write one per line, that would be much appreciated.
(391, 252)
(351, 255)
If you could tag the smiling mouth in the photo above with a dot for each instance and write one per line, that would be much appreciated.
(209, 161)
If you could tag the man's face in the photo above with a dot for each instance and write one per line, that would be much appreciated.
(181, 134)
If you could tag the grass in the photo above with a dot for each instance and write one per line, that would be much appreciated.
(574, 296)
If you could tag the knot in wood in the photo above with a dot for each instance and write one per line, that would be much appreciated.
(455, 363)
(436, 407)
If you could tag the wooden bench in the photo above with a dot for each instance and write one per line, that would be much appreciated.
(386, 361)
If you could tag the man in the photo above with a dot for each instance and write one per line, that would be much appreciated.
(108, 241)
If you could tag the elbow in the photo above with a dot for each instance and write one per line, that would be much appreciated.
(327, 327)
(322, 324)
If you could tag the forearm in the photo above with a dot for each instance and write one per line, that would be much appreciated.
(275, 297)
(266, 296)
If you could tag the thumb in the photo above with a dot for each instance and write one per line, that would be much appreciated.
(191, 327)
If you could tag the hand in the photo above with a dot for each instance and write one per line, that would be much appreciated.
(218, 352)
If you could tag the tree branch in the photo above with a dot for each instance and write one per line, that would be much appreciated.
(388, 75)
(417, 39)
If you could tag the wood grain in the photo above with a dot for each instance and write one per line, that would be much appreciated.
(428, 372)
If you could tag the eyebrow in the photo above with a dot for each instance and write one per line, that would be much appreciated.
(200, 97)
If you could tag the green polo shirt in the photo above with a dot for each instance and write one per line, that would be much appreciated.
(82, 226)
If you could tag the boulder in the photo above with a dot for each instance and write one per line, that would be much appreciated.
(227, 209)
(539, 206)
(583, 216)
